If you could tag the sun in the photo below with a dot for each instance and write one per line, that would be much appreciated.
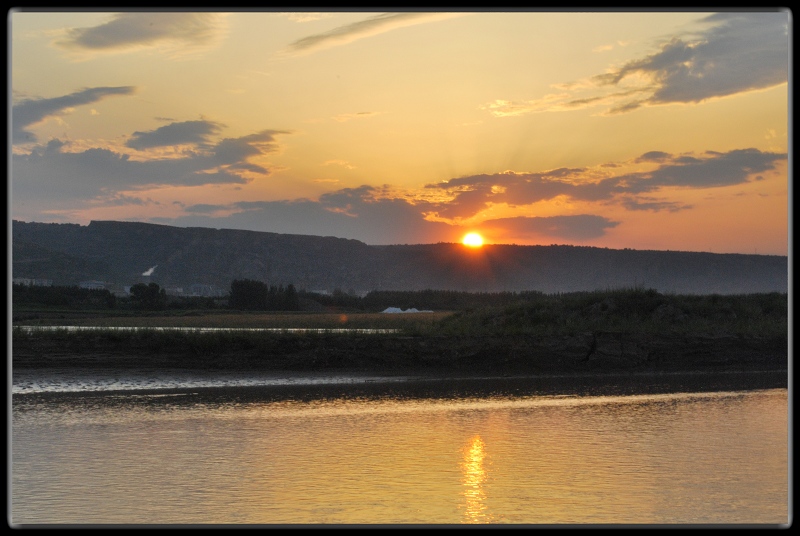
(473, 240)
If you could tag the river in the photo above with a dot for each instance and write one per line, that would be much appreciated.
(200, 455)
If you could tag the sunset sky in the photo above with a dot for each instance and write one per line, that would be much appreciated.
(643, 130)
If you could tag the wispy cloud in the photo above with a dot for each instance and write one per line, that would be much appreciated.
(358, 115)
(30, 112)
(349, 33)
(305, 16)
(176, 32)
(738, 52)
(580, 227)
(344, 163)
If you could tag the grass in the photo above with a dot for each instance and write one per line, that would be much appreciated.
(755, 316)
(234, 320)
(628, 310)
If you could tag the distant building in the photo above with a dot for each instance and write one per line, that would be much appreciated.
(203, 290)
(398, 310)
(94, 285)
(32, 282)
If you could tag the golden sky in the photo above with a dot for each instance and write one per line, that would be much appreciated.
(644, 130)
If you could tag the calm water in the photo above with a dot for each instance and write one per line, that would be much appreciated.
(195, 458)
(35, 329)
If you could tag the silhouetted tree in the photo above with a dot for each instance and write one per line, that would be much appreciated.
(250, 295)
(149, 296)
(291, 299)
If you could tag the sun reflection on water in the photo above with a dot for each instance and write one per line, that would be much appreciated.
(474, 475)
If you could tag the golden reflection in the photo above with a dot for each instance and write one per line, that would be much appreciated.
(473, 478)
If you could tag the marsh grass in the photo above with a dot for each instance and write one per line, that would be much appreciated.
(245, 320)
(755, 316)
(628, 310)
(247, 332)
(188, 342)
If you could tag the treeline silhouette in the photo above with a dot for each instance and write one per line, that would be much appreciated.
(251, 295)
(146, 297)
(437, 300)
(71, 297)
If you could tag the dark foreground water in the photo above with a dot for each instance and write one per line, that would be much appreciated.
(297, 452)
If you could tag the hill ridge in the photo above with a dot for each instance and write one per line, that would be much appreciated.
(119, 253)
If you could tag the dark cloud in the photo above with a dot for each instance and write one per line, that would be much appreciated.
(32, 111)
(186, 132)
(579, 227)
(51, 176)
(349, 213)
(473, 193)
(653, 156)
(473, 181)
(359, 214)
(717, 169)
(131, 29)
(466, 202)
(710, 170)
(645, 203)
(233, 150)
(740, 52)
(126, 200)
(203, 208)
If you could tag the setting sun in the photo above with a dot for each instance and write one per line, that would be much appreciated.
(473, 240)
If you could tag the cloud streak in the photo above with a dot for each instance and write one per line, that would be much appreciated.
(579, 227)
(342, 118)
(305, 16)
(30, 112)
(739, 52)
(349, 33)
(126, 31)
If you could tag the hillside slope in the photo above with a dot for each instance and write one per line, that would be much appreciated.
(120, 252)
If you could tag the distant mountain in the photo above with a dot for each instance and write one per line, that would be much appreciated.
(121, 252)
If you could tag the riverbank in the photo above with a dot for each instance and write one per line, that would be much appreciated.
(301, 365)
(631, 332)
(599, 351)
